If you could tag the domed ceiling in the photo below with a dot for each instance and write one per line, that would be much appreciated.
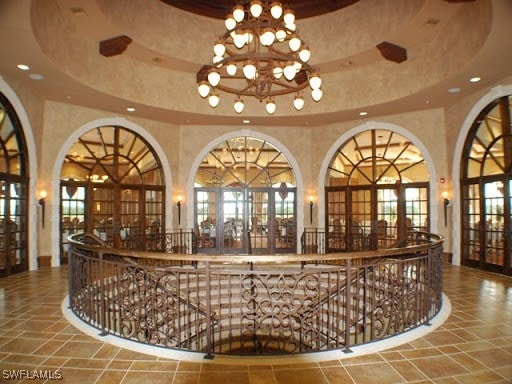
(220, 8)
(441, 44)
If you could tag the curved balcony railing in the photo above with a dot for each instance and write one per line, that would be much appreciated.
(255, 304)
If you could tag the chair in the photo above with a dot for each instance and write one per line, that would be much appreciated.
(382, 232)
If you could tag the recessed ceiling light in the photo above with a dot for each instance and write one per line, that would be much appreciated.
(246, 121)
(475, 79)
(454, 90)
(130, 109)
(36, 76)
(363, 113)
(23, 67)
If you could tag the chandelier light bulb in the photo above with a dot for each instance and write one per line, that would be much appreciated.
(277, 71)
(289, 17)
(219, 48)
(294, 43)
(231, 69)
(267, 37)
(290, 27)
(216, 60)
(249, 71)
(238, 13)
(280, 35)
(270, 106)
(214, 78)
(276, 9)
(213, 100)
(304, 53)
(256, 8)
(203, 88)
(315, 82)
(239, 105)
(289, 71)
(316, 94)
(239, 40)
(230, 22)
(298, 102)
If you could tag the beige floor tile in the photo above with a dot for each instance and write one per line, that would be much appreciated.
(381, 373)
(439, 366)
(300, 376)
(473, 346)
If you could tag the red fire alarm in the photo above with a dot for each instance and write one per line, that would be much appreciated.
(442, 180)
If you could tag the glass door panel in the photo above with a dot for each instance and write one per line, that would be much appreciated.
(387, 208)
(233, 226)
(12, 231)
(471, 224)
(336, 214)
(416, 208)
(360, 224)
(493, 226)
(103, 214)
(259, 221)
(206, 219)
(129, 228)
(285, 221)
(72, 215)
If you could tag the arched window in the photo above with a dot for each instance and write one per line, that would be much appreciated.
(376, 191)
(486, 176)
(13, 192)
(245, 199)
(112, 185)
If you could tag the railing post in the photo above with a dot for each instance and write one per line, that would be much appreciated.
(209, 330)
(347, 306)
(71, 281)
(102, 296)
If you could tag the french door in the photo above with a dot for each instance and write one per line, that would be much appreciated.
(245, 220)
(121, 216)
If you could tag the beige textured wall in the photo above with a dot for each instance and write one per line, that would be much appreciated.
(183, 146)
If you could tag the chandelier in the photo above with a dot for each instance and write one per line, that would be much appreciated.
(260, 55)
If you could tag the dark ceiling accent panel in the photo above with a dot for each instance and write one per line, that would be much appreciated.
(218, 9)
(392, 52)
(114, 46)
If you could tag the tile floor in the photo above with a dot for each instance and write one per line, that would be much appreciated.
(474, 345)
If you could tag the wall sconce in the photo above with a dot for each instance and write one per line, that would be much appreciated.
(178, 205)
(311, 201)
(446, 203)
(42, 202)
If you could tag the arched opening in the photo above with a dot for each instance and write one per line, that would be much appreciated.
(486, 189)
(14, 187)
(112, 185)
(376, 191)
(245, 199)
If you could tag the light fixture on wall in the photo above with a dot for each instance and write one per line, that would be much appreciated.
(179, 199)
(42, 203)
(446, 203)
(311, 204)
(260, 55)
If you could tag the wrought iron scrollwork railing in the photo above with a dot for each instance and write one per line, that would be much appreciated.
(261, 304)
